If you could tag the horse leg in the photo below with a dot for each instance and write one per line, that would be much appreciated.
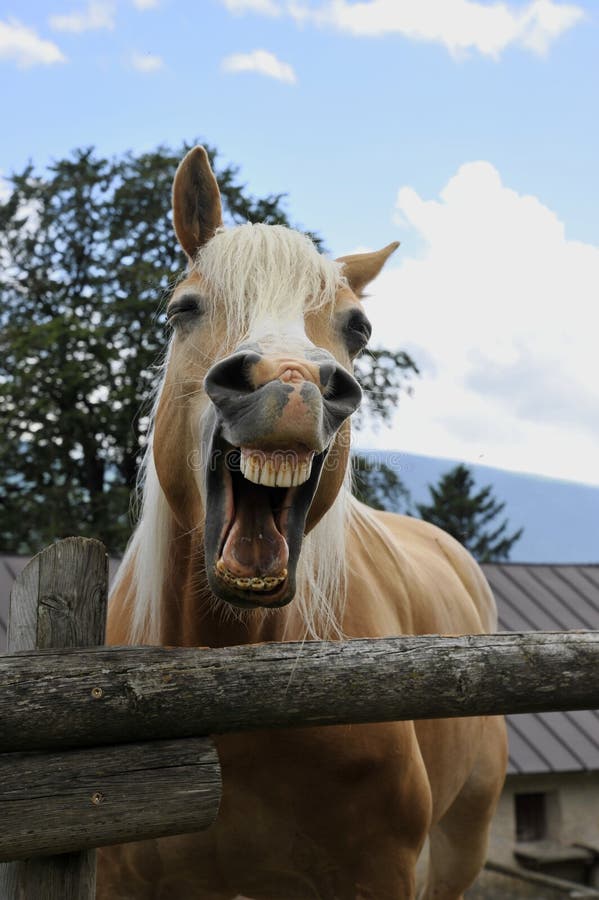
(458, 842)
(395, 878)
(396, 815)
(136, 871)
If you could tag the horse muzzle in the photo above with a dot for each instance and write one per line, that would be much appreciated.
(274, 421)
(279, 403)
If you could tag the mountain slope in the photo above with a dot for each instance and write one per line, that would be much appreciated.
(560, 518)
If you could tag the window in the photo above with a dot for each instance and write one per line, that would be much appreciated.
(531, 817)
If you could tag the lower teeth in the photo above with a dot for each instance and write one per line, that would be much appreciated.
(266, 583)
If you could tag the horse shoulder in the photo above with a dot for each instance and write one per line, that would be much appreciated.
(428, 576)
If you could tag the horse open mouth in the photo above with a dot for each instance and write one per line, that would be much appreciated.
(257, 502)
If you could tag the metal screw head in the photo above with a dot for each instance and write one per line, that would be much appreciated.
(97, 797)
(97, 693)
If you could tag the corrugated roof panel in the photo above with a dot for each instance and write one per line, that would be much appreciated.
(538, 605)
(591, 573)
(508, 605)
(549, 597)
(585, 589)
(514, 607)
(576, 605)
(509, 616)
(547, 744)
(549, 593)
(588, 722)
(523, 755)
(566, 727)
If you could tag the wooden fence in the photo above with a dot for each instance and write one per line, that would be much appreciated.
(105, 745)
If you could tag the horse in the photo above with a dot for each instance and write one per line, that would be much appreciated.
(248, 533)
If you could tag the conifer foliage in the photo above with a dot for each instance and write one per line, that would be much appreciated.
(469, 515)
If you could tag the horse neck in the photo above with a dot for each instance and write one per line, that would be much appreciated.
(190, 614)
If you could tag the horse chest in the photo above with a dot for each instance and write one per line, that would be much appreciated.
(297, 806)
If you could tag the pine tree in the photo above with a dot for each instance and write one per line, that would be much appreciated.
(468, 516)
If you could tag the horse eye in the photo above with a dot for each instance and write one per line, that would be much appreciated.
(356, 331)
(183, 308)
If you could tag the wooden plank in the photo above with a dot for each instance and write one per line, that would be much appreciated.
(58, 802)
(71, 876)
(111, 695)
(570, 888)
(60, 597)
(58, 600)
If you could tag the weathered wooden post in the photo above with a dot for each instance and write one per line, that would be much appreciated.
(59, 600)
(56, 808)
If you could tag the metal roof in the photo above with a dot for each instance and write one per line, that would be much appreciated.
(529, 598)
(534, 597)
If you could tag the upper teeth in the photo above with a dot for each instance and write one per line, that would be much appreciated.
(283, 468)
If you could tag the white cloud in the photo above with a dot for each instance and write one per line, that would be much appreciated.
(505, 306)
(96, 15)
(260, 61)
(146, 4)
(460, 25)
(22, 45)
(263, 7)
(146, 62)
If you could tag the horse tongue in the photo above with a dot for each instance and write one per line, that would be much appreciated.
(254, 547)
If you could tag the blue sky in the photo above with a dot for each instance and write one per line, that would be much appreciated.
(466, 130)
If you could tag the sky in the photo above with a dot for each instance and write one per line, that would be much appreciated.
(468, 131)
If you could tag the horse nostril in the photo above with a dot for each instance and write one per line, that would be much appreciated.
(230, 377)
(326, 373)
(343, 394)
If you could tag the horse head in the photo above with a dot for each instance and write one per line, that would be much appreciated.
(251, 436)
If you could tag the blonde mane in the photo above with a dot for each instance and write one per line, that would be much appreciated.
(253, 274)
(264, 273)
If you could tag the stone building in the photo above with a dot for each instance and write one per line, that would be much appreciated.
(547, 823)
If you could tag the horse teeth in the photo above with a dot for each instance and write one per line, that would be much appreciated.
(257, 583)
(304, 471)
(268, 474)
(285, 475)
(250, 465)
(279, 469)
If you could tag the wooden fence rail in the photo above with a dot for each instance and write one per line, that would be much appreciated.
(75, 698)
(102, 745)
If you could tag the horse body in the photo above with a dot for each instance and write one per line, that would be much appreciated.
(338, 813)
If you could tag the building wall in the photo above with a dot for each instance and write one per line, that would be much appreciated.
(572, 817)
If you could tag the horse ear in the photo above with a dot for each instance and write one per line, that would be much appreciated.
(197, 211)
(362, 268)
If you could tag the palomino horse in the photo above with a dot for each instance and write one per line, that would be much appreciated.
(248, 533)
